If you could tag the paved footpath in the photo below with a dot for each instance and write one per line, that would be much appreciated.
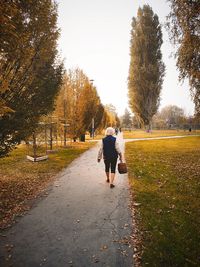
(81, 222)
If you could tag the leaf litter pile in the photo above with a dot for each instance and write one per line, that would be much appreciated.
(22, 181)
(165, 182)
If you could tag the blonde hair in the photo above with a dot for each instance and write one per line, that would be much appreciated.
(109, 131)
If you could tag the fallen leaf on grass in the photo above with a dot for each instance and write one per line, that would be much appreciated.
(159, 211)
(136, 204)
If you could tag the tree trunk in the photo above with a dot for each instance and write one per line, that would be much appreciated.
(51, 138)
(65, 136)
(34, 146)
(148, 127)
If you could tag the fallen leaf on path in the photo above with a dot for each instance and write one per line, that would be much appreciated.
(103, 247)
(95, 259)
(2, 235)
(9, 257)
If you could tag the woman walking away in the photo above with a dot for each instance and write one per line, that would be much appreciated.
(110, 151)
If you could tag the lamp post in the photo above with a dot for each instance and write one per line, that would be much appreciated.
(93, 117)
(93, 128)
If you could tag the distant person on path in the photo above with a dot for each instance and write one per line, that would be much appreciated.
(110, 151)
(116, 131)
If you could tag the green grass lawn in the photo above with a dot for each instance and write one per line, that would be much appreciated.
(22, 180)
(144, 134)
(165, 179)
(156, 133)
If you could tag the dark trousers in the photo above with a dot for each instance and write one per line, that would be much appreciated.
(110, 164)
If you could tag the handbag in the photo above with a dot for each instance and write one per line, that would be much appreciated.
(122, 168)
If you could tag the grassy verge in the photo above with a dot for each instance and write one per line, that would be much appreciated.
(165, 179)
(22, 180)
(144, 134)
(156, 133)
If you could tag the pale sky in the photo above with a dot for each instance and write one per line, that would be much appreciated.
(95, 36)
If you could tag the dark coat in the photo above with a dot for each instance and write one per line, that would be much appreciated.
(109, 151)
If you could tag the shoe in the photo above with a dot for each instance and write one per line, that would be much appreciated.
(108, 181)
(112, 185)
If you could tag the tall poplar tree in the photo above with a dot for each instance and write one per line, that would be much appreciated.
(146, 69)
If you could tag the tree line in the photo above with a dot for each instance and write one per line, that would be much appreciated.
(34, 84)
(79, 106)
(169, 117)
